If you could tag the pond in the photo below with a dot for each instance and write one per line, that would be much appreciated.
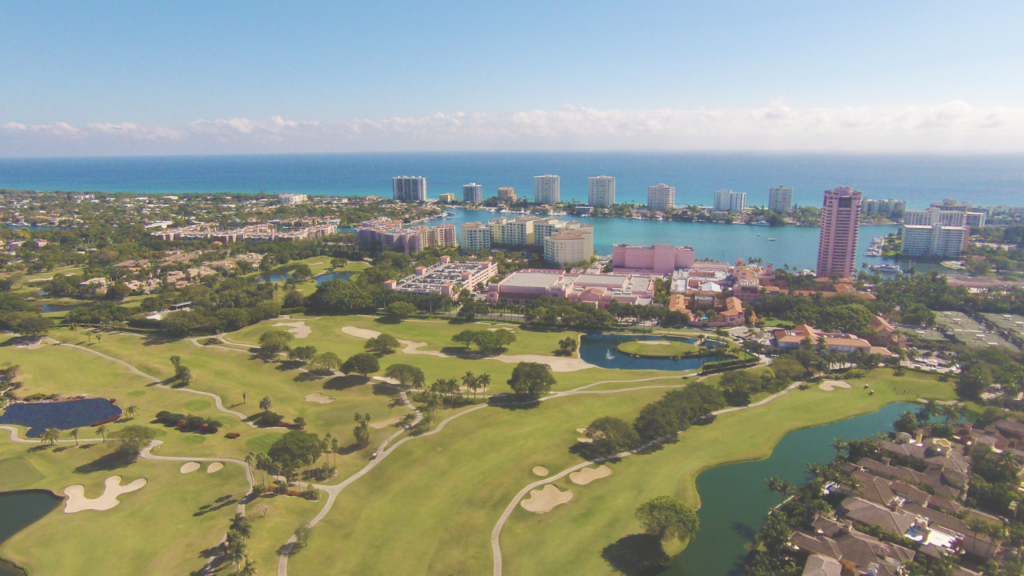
(58, 307)
(599, 350)
(62, 415)
(333, 276)
(735, 504)
(20, 510)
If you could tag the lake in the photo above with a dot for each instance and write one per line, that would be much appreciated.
(735, 504)
(61, 415)
(20, 510)
(599, 350)
(795, 246)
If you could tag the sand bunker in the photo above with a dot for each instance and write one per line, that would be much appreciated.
(386, 423)
(540, 471)
(359, 332)
(297, 329)
(585, 440)
(414, 348)
(189, 467)
(541, 501)
(77, 501)
(319, 398)
(829, 385)
(588, 475)
(214, 467)
(653, 342)
(581, 430)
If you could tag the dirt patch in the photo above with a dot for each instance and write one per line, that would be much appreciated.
(545, 500)
(214, 467)
(34, 344)
(360, 332)
(540, 471)
(385, 423)
(588, 475)
(319, 398)
(189, 467)
(830, 385)
(77, 502)
(297, 329)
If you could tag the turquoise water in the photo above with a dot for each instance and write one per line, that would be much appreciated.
(58, 307)
(795, 246)
(735, 504)
(61, 415)
(20, 510)
(918, 179)
(333, 276)
(599, 350)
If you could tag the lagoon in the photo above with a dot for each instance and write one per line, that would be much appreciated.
(38, 417)
(735, 504)
(599, 350)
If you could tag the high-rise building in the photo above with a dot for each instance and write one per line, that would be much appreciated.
(513, 232)
(780, 199)
(507, 194)
(472, 193)
(574, 243)
(890, 207)
(729, 201)
(935, 216)
(546, 189)
(475, 236)
(934, 240)
(409, 188)
(661, 197)
(840, 223)
(601, 191)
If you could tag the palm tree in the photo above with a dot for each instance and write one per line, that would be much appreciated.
(102, 431)
(335, 445)
(839, 444)
(131, 411)
(483, 381)
(50, 435)
(785, 489)
(247, 569)
(469, 381)
(772, 484)
(925, 413)
(249, 459)
(266, 403)
(74, 434)
(242, 525)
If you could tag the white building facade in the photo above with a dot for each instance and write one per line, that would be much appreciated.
(661, 197)
(601, 191)
(547, 189)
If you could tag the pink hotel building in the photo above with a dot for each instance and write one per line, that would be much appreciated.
(840, 223)
(663, 259)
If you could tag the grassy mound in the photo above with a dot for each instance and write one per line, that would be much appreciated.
(660, 349)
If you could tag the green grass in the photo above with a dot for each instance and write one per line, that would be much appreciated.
(263, 442)
(16, 473)
(657, 348)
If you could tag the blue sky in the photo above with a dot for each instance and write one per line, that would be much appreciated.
(120, 76)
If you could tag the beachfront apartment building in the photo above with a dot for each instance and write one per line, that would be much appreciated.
(884, 207)
(389, 235)
(546, 189)
(661, 197)
(475, 236)
(780, 199)
(512, 231)
(729, 201)
(292, 199)
(936, 240)
(507, 194)
(601, 191)
(571, 243)
(409, 188)
(840, 224)
(472, 193)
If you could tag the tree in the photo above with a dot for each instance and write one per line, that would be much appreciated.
(568, 346)
(50, 435)
(839, 444)
(266, 403)
(668, 517)
(326, 362)
(273, 342)
(483, 381)
(532, 378)
(74, 434)
(176, 361)
(929, 409)
(772, 484)
(236, 548)
(611, 435)
(973, 381)
(362, 430)
(248, 568)
(242, 525)
(302, 532)
(296, 448)
(102, 431)
(382, 344)
(131, 411)
(302, 353)
(907, 422)
(398, 311)
(406, 374)
(362, 364)
(134, 438)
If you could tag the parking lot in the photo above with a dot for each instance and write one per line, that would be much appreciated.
(968, 331)
(1009, 322)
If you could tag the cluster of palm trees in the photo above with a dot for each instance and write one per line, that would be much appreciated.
(774, 484)
(950, 412)
(235, 546)
(263, 463)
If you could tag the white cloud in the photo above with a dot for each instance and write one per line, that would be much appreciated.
(778, 126)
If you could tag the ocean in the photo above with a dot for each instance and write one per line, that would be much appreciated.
(918, 179)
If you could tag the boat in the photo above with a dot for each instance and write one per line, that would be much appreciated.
(760, 223)
(771, 239)
(888, 268)
(758, 233)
